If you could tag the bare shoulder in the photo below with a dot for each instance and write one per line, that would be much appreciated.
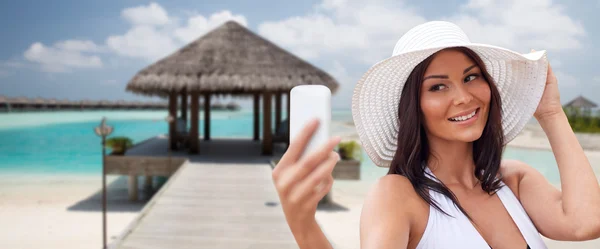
(512, 172)
(386, 216)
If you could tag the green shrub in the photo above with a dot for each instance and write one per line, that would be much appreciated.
(119, 145)
(582, 122)
(350, 150)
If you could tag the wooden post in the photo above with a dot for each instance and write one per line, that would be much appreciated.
(277, 111)
(173, 113)
(184, 105)
(194, 148)
(267, 148)
(148, 183)
(207, 116)
(256, 116)
(133, 187)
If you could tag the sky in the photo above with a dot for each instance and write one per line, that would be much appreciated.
(78, 49)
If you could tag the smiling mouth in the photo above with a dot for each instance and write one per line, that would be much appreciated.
(465, 117)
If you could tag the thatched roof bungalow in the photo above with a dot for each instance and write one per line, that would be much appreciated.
(4, 104)
(232, 106)
(39, 103)
(52, 103)
(580, 104)
(22, 103)
(229, 60)
(66, 104)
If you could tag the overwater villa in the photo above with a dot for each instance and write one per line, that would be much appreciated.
(228, 61)
(23, 104)
(581, 105)
(219, 193)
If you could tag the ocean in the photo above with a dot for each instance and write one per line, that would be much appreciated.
(64, 142)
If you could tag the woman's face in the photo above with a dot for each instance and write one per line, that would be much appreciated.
(455, 98)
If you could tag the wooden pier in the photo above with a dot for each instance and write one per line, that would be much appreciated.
(224, 199)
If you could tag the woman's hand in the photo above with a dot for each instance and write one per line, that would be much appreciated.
(550, 103)
(302, 182)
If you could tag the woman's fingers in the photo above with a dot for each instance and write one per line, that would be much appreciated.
(299, 143)
(320, 193)
(310, 161)
(309, 186)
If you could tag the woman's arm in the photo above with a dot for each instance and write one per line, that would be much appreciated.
(301, 182)
(574, 213)
(385, 218)
(311, 236)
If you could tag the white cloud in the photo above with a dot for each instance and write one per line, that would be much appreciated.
(520, 25)
(12, 64)
(565, 79)
(78, 45)
(596, 79)
(198, 25)
(154, 34)
(153, 14)
(339, 72)
(368, 31)
(60, 57)
(145, 42)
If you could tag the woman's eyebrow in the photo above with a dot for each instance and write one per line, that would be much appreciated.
(446, 76)
(469, 68)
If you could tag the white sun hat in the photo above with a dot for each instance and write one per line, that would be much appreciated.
(520, 79)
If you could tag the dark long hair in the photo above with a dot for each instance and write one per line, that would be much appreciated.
(411, 157)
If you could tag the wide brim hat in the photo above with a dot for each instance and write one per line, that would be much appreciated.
(520, 79)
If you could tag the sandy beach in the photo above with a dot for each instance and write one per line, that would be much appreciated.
(61, 211)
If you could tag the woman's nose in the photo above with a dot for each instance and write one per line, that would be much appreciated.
(462, 95)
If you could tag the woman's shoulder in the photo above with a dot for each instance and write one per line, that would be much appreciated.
(512, 172)
(392, 212)
(395, 193)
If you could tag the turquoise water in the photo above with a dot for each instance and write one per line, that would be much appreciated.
(57, 143)
(542, 160)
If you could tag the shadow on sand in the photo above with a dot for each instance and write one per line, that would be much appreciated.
(332, 207)
(117, 199)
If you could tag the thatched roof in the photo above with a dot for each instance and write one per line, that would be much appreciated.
(228, 60)
(19, 100)
(40, 101)
(232, 106)
(87, 102)
(581, 102)
(52, 101)
(66, 102)
(104, 103)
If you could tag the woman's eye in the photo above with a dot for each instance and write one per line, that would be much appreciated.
(471, 77)
(437, 87)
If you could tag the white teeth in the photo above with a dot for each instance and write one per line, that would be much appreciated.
(463, 118)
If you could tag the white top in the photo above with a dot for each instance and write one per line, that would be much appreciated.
(443, 231)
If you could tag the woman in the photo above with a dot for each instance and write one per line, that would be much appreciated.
(438, 114)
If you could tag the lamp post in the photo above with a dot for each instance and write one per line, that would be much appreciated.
(169, 120)
(103, 131)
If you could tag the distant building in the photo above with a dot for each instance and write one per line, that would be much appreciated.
(580, 105)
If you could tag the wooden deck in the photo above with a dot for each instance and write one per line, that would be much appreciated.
(224, 199)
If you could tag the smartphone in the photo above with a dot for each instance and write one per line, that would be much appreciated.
(308, 102)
